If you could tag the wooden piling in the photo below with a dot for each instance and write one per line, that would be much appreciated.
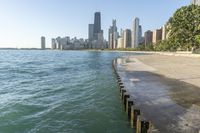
(132, 116)
(120, 83)
(128, 107)
(120, 88)
(136, 114)
(144, 126)
(138, 124)
(122, 94)
(119, 80)
(126, 96)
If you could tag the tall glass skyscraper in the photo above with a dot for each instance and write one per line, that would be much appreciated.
(97, 24)
(91, 32)
(135, 33)
(95, 34)
(127, 38)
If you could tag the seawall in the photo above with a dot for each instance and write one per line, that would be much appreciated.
(155, 101)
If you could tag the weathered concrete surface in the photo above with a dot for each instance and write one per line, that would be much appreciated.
(166, 89)
(182, 68)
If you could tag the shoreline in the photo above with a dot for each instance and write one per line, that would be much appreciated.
(165, 88)
(179, 53)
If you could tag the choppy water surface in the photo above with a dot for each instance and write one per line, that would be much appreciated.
(59, 91)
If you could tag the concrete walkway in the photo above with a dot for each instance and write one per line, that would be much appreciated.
(166, 89)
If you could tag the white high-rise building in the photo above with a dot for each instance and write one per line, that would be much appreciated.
(135, 33)
(113, 35)
(43, 42)
(53, 43)
(58, 43)
(115, 32)
(196, 2)
(120, 42)
(164, 33)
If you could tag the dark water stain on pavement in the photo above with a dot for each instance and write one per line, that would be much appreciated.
(172, 105)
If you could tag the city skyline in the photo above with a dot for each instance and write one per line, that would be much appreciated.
(23, 23)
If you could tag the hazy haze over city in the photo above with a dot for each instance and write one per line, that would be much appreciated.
(23, 22)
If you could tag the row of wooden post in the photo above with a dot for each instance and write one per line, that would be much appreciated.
(134, 115)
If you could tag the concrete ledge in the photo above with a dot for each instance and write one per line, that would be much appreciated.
(180, 53)
(162, 88)
(134, 115)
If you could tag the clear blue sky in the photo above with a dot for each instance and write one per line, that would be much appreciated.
(23, 22)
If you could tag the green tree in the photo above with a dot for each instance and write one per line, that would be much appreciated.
(184, 28)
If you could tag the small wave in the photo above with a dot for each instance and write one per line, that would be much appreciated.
(61, 69)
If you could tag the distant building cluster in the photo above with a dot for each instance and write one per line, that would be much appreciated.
(132, 38)
(152, 37)
(66, 43)
(95, 38)
(127, 38)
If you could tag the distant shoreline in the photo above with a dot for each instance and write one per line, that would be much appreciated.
(178, 53)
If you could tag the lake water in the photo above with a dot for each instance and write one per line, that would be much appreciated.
(60, 92)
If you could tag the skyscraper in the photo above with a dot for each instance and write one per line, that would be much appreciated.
(95, 34)
(100, 40)
(120, 42)
(110, 39)
(140, 35)
(196, 2)
(148, 35)
(58, 43)
(127, 38)
(135, 33)
(113, 35)
(164, 32)
(97, 24)
(53, 43)
(91, 32)
(43, 42)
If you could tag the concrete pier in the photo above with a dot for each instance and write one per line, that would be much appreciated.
(166, 92)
